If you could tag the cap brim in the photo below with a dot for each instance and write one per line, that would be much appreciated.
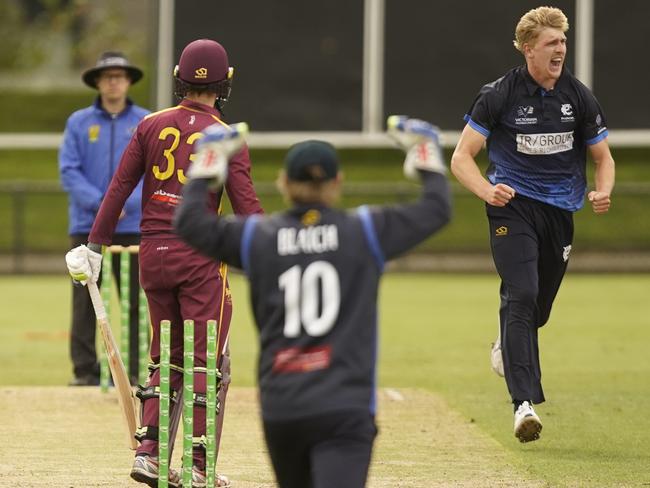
(90, 76)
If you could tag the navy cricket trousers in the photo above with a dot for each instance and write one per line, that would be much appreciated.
(325, 451)
(530, 242)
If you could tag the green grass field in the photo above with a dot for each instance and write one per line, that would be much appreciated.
(436, 330)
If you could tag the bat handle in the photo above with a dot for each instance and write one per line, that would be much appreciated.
(96, 298)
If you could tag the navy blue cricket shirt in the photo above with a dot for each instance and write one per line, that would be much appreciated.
(537, 139)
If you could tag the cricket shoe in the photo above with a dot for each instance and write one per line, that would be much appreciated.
(496, 357)
(527, 423)
(88, 380)
(145, 470)
(199, 480)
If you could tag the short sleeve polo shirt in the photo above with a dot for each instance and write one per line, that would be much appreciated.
(537, 139)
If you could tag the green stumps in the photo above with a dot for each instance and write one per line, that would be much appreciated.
(125, 256)
(188, 400)
(143, 338)
(163, 413)
(211, 401)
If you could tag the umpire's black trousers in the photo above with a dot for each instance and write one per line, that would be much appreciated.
(82, 332)
(530, 243)
(325, 451)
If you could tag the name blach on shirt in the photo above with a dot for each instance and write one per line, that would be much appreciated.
(308, 240)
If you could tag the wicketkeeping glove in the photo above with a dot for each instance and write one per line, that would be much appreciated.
(218, 144)
(83, 264)
(421, 141)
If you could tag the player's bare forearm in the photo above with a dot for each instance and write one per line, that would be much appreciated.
(465, 169)
(604, 178)
(469, 175)
(605, 175)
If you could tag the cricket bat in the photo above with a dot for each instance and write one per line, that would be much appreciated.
(120, 378)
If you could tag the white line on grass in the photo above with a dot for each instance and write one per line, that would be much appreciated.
(394, 395)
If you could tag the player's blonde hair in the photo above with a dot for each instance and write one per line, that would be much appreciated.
(309, 192)
(534, 21)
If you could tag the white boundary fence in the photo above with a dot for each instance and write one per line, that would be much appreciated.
(49, 140)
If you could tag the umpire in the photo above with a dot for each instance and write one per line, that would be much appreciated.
(314, 272)
(93, 142)
(538, 121)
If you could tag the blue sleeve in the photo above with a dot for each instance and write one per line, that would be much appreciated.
(476, 126)
(594, 126)
(71, 170)
(485, 112)
(246, 242)
(398, 228)
(371, 236)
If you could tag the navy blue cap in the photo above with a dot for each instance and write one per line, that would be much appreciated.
(311, 161)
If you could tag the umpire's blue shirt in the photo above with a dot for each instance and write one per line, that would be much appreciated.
(93, 143)
(537, 139)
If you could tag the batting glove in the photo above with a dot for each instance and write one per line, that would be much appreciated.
(218, 144)
(83, 264)
(421, 141)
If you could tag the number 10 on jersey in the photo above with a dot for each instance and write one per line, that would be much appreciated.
(312, 298)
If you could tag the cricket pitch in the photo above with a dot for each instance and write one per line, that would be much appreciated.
(74, 438)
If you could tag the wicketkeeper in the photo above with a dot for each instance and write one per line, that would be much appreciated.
(314, 272)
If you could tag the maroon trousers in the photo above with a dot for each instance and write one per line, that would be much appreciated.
(182, 284)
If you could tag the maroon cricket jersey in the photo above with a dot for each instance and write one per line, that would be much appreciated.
(161, 151)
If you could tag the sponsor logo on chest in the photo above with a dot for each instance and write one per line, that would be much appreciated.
(524, 115)
(165, 197)
(567, 113)
(93, 133)
(550, 143)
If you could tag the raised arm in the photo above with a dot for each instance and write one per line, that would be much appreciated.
(212, 235)
(401, 227)
(239, 185)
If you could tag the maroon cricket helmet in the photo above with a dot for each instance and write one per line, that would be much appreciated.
(202, 62)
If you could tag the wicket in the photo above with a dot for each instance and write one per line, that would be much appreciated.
(163, 408)
(188, 398)
(125, 253)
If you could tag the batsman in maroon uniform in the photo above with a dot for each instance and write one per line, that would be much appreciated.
(179, 282)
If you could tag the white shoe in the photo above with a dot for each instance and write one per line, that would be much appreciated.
(527, 423)
(496, 357)
(199, 479)
(145, 470)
